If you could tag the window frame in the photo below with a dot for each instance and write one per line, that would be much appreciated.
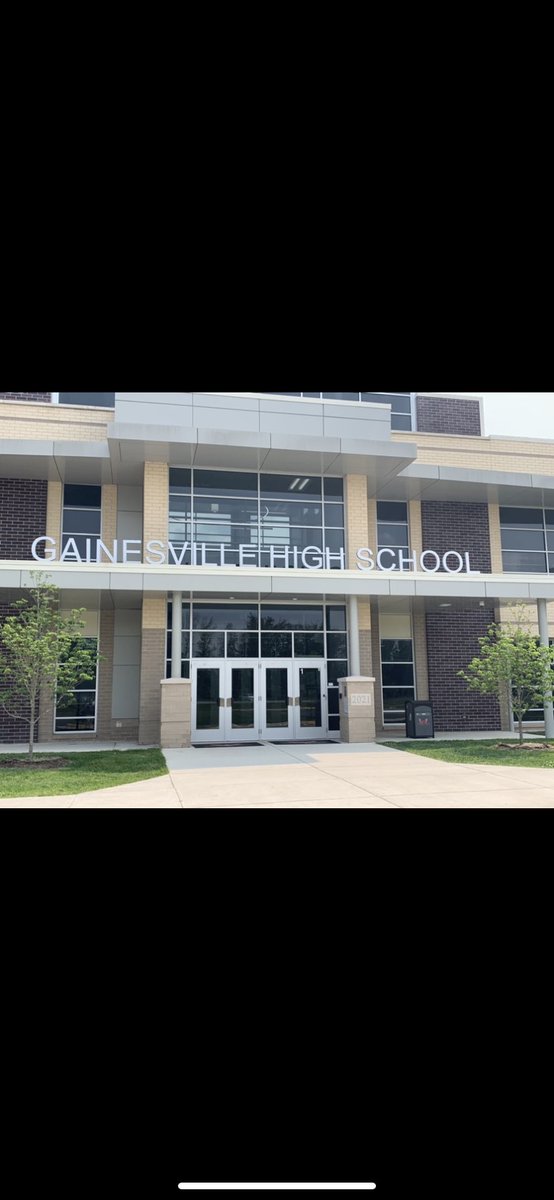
(82, 732)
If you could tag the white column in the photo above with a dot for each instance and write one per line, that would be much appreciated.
(177, 635)
(355, 659)
(545, 641)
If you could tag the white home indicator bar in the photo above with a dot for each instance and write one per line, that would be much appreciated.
(277, 1187)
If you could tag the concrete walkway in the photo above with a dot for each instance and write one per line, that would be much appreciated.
(332, 776)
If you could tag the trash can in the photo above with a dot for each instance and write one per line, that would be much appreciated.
(419, 719)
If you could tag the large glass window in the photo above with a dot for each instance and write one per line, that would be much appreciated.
(82, 520)
(397, 665)
(527, 540)
(393, 531)
(250, 630)
(76, 712)
(278, 520)
(402, 403)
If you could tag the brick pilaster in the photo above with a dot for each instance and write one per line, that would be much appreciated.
(156, 503)
(153, 658)
(356, 516)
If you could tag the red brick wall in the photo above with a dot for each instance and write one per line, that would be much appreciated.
(22, 516)
(453, 525)
(447, 415)
(452, 642)
(47, 396)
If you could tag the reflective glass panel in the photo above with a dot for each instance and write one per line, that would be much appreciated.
(277, 697)
(207, 699)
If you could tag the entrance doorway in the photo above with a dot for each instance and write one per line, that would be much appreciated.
(278, 700)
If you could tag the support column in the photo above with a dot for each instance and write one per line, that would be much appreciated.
(354, 624)
(177, 635)
(545, 641)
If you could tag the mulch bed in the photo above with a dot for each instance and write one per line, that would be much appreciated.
(41, 764)
(525, 746)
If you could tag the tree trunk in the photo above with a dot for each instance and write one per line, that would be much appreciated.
(520, 716)
(32, 729)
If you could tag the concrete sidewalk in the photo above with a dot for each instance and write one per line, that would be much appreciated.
(332, 776)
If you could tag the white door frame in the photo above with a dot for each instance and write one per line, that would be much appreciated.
(283, 734)
(307, 733)
(241, 735)
(208, 664)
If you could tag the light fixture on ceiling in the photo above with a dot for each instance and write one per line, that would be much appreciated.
(445, 606)
(294, 485)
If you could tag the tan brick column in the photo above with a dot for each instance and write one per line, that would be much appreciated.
(54, 508)
(416, 528)
(154, 635)
(109, 516)
(496, 539)
(357, 517)
(361, 530)
(420, 652)
(176, 714)
(156, 503)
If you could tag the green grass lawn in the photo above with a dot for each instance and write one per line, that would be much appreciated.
(84, 772)
(478, 752)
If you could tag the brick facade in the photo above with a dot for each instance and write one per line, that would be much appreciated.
(437, 414)
(452, 641)
(10, 729)
(46, 396)
(23, 505)
(450, 525)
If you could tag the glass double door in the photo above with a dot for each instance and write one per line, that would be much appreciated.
(280, 700)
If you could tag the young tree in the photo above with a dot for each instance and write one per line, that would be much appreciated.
(511, 657)
(42, 656)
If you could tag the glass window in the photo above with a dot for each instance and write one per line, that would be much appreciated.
(396, 651)
(397, 674)
(392, 512)
(78, 496)
(76, 712)
(337, 645)
(333, 489)
(400, 402)
(82, 520)
(336, 671)
(225, 483)
(524, 517)
(517, 561)
(225, 616)
(309, 645)
(180, 479)
(243, 645)
(334, 516)
(394, 700)
(96, 399)
(222, 509)
(276, 645)
(278, 617)
(523, 539)
(336, 617)
(291, 487)
(208, 645)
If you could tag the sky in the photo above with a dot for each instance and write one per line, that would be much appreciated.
(518, 414)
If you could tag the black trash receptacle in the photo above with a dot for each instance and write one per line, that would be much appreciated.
(420, 722)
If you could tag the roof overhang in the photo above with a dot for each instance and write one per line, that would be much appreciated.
(136, 579)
